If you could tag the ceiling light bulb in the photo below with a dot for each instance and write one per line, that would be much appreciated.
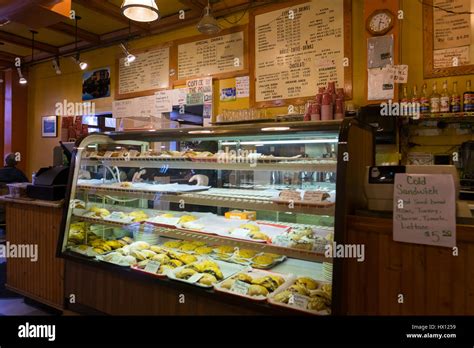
(56, 67)
(130, 58)
(83, 65)
(22, 81)
(140, 10)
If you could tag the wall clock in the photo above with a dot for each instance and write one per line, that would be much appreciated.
(380, 22)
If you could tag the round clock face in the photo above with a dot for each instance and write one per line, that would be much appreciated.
(380, 22)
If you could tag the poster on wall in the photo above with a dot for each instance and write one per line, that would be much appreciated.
(424, 209)
(298, 49)
(72, 128)
(49, 126)
(199, 91)
(96, 84)
(218, 55)
(149, 72)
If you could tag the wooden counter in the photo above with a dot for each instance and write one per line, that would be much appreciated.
(35, 222)
(431, 279)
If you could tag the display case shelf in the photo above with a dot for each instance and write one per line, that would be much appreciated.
(209, 165)
(200, 198)
(209, 239)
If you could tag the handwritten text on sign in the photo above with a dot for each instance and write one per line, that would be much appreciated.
(424, 209)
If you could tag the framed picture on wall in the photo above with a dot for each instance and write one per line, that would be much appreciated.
(49, 126)
(96, 84)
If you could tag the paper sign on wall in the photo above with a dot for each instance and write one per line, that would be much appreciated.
(242, 86)
(135, 107)
(424, 209)
(400, 73)
(380, 83)
(164, 101)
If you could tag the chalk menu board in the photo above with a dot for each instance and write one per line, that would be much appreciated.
(297, 49)
(148, 73)
(424, 209)
(217, 55)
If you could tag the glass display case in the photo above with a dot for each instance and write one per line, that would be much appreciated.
(247, 210)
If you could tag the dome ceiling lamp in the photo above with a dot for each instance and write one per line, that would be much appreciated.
(208, 24)
(140, 10)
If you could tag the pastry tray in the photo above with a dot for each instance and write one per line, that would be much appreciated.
(228, 270)
(289, 279)
(285, 286)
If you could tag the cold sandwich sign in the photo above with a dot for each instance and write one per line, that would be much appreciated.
(424, 209)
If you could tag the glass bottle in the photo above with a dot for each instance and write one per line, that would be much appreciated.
(455, 99)
(444, 101)
(424, 100)
(434, 100)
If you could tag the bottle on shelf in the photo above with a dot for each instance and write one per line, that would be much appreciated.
(435, 99)
(444, 101)
(404, 101)
(415, 98)
(455, 99)
(424, 100)
(468, 98)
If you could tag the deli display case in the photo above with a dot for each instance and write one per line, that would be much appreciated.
(242, 216)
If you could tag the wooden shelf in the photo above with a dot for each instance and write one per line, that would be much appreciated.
(211, 239)
(447, 117)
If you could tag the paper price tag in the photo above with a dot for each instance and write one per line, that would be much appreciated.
(299, 301)
(240, 287)
(314, 196)
(400, 73)
(152, 267)
(290, 195)
(195, 277)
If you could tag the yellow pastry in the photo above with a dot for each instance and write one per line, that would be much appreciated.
(161, 258)
(113, 244)
(246, 253)
(175, 263)
(174, 244)
(228, 283)
(185, 273)
(187, 259)
(327, 288)
(262, 260)
(187, 247)
(307, 282)
(250, 227)
(186, 218)
(298, 289)
(148, 253)
(167, 215)
(257, 290)
(203, 250)
(157, 249)
(244, 277)
(207, 279)
(283, 297)
(198, 244)
(316, 304)
(259, 235)
(138, 216)
(225, 249)
(98, 251)
(127, 240)
(126, 184)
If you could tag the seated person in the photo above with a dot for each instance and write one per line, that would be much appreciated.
(10, 174)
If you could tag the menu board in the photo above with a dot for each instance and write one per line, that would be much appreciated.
(451, 29)
(136, 107)
(217, 55)
(424, 209)
(298, 49)
(149, 72)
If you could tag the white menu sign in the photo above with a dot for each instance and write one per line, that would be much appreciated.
(149, 71)
(424, 209)
(207, 57)
(298, 49)
(135, 107)
(451, 29)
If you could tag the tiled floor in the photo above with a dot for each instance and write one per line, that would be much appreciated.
(16, 306)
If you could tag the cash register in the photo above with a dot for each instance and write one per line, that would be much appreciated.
(50, 183)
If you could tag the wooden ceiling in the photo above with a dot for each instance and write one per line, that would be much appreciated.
(101, 24)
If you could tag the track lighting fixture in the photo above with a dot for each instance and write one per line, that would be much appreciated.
(129, 58)
(22, 80)
(56, 66)
(77, 58)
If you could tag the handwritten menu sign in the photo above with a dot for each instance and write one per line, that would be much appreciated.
(216, 55)
(451, 29)
(424, 209)
(149, 71)
(136, 107)
(298, 49)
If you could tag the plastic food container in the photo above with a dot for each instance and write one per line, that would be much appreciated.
(17, 190)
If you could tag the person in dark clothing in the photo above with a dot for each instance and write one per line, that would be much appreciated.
(10, 174)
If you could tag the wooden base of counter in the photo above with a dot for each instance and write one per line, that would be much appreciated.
(32, 222)
(431, 280)
(107, 289)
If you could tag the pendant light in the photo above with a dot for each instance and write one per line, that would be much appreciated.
(208, 24)
(77, 57)
(140, 10)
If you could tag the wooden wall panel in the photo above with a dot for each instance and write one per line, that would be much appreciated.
(431, 279)
(42, 280)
